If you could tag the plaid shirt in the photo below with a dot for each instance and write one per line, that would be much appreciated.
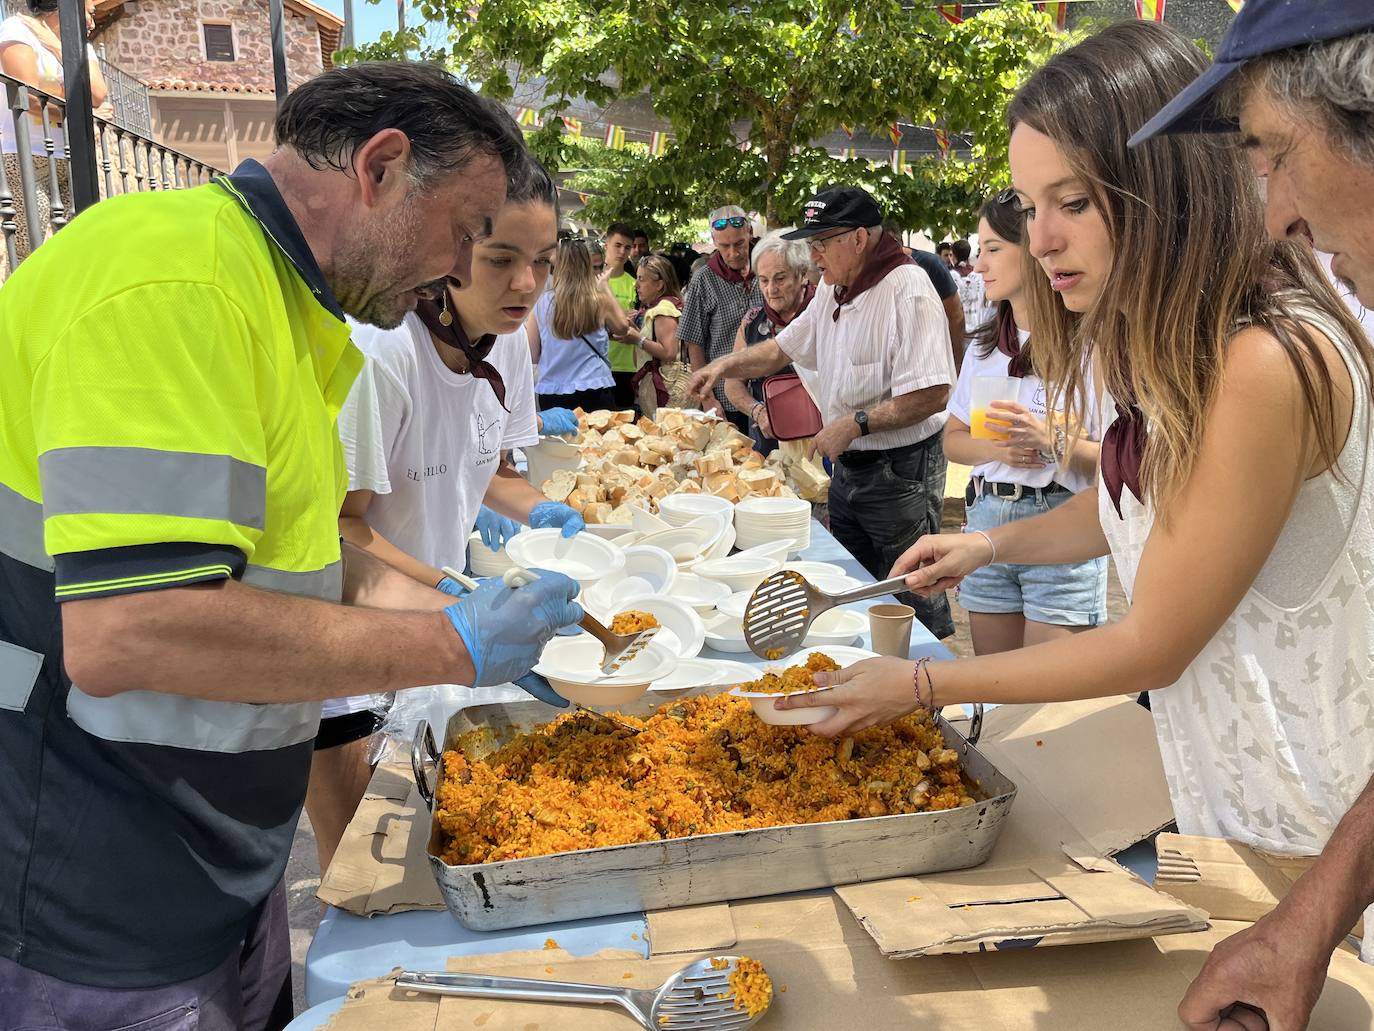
(712, 314)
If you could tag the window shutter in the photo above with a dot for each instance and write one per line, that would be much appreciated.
(219, 42)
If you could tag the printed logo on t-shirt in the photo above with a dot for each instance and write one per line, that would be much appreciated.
(488, 436)
(430, 470)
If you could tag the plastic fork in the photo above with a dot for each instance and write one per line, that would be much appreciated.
(783, 607)
(690, 1000)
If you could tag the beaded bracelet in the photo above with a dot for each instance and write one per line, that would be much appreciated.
(916, 684)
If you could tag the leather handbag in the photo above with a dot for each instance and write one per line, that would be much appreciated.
(791, 412)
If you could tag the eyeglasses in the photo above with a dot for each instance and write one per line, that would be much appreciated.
(733, 222)
(820, 243)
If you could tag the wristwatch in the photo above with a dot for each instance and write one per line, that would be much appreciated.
(861, 418)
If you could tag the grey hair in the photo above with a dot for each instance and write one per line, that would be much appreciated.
(794, 254)
(729, 211)
(1331, 83)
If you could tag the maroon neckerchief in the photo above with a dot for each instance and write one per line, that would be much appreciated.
(888, 255)
(1123, 448)
(717, 265)
(476, 353)
(807, 293)
(1009, 343)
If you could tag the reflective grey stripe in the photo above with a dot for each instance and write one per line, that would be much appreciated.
(21, 529)
(154, 718)
(326, 583)
(142, 481)
(18, 673)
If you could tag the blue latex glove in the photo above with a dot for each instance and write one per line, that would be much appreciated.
(505, 629)
(495, 528)
(559, 421)
(553, 513)
(534, 684)
(451, 586)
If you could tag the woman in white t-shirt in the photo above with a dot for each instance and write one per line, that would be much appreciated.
(1236, 497)
(31, 51)
(1011, 606)
(426, 432)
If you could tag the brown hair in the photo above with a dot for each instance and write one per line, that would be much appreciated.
(1006, 221)
(1191, 262)
(576, 296)
(662, 270)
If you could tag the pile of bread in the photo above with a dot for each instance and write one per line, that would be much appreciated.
(627, 462)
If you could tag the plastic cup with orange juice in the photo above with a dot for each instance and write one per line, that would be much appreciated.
(986, 390)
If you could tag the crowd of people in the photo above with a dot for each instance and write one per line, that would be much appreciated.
(234, 478)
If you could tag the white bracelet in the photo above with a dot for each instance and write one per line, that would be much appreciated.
(993, 560)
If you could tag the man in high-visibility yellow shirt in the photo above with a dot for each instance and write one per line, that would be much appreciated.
(171, 576)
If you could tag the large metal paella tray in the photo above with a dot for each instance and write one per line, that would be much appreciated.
(705, 867)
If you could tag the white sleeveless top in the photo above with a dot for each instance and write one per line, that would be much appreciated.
(1268, 737)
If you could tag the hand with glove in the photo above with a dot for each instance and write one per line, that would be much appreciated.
(559, 422)
(495, 528)
(552, 513)
(504, 629)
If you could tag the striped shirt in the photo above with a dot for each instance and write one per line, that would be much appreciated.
(712, 314)
(892, 339)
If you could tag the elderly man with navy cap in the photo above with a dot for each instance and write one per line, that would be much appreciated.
(1296, 77)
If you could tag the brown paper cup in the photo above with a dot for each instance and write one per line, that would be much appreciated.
(891, 629)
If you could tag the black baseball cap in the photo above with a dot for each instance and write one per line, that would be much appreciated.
(837, 207)
(1262, 27)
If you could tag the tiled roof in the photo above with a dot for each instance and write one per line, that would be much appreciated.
(188, 86)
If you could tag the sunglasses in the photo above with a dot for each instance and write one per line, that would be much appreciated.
(1007, 196)
(733, 222)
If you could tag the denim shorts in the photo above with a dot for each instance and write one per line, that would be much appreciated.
(1072, 594)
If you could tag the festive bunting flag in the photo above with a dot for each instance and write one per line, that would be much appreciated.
(582, 197)
(1057, 11)
(848, 153)
(573, 125)
(942, 141)
(895, 134)
(526, 116)
(848, 130)
(1235, 4)
(1150, 10)
(658, 143)
(745, 146)
(614, 137)
(898, 160)
(953, 13)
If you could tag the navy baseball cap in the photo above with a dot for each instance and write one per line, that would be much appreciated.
(1262, 27)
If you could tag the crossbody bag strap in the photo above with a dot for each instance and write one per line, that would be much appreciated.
(592, 347)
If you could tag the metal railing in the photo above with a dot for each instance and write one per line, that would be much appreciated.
(126, 162)
(129, 98)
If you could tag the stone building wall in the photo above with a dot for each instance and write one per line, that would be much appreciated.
(162, 39)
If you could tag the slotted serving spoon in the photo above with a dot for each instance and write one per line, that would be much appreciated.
(619, 648)
(782, 608)
(690, 999)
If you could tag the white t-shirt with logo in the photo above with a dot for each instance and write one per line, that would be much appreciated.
(1032, 396)
(428, 441)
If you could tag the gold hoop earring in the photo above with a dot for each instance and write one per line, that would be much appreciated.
(445, 316)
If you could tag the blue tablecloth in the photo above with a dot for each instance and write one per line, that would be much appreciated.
(349, 948)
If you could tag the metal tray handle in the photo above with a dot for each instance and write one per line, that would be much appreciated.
(975, 725)
(424, 755)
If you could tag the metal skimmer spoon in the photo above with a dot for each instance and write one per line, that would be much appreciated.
(783, 607)
(690, 1000)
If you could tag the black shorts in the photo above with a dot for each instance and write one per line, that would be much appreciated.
(351, 726)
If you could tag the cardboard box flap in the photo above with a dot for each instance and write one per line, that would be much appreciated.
(691, 929)
(826, 973)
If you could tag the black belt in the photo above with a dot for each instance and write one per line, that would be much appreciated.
(863, 459)
(1009, 491)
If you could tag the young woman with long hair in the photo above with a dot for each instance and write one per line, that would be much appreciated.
(568, 334)
(1236, 494)
(1019, 476)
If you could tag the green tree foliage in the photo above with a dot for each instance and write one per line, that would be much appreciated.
(781, 73)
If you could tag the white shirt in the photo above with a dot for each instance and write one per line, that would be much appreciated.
(973, 298)
(15, 29)
(428, 440)
(1268, 737)
(1032, 396)
(893, 339)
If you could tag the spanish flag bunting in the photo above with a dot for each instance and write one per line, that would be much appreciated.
(573, 125)
(1235, 4)
(953, 13)
(658, 143)
(848, 130)
(895, 134)
(1058, 12)
(615, 137)
(942, 141)
(1150, 10)
(582, 197)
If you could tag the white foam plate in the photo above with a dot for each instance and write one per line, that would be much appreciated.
(729, 673)
(725, 634)
(773, 507)
(608, 531)
(692, 505)
(646, 522)
(682, 630)
(572, 666)
(700, 593)
(836, 627)
(811, 570)
(583, 557)
(690, 673)
(763, 709)
(684, 543)
(651, 565)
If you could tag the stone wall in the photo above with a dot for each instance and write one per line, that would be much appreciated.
(161, 39)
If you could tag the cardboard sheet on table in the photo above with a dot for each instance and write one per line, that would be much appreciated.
(380, 866)
(1230, 880)
(834, 976)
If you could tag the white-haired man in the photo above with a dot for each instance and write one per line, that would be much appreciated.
(1301, 78)
(717, 300)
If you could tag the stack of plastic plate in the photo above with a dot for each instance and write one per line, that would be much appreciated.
(484, 561)
(680, 509)
(763, 520)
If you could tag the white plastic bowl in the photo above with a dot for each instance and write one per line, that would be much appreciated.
(842, 654)
(684, 543)
(811, 570)
(646, 522)
(652, 565)
(772, 508)
(484, 561)
(583, 557)
(729, 673)
(763, 709)
(572, 666)
(690, 673)
(700, 593)
(735, 604)
(679, 508)
(682, 633)
(836, 627)
(725, 634)
(739, 573)
(608, 531)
